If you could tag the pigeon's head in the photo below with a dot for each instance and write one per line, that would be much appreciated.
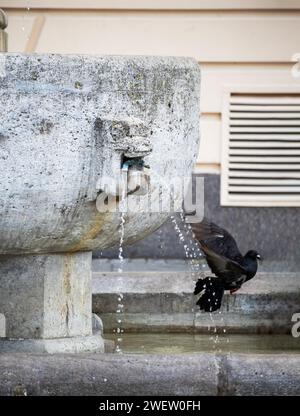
(253, 254)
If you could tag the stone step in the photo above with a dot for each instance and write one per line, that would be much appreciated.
(164, 301)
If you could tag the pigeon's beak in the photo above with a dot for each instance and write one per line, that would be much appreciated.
(259, 257)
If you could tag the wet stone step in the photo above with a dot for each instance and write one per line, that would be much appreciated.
(163, 301)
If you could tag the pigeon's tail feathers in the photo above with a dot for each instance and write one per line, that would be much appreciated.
(211, 294)
(200, 286)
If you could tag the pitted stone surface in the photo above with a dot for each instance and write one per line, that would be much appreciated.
(46, 296)
(54, 149)
(149, 374)
(67, 123)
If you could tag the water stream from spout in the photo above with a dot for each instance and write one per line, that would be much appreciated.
(120, 296)
(120, 306)
(194, 254)
(195, 273)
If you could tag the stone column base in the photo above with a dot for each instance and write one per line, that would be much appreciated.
(47, 304)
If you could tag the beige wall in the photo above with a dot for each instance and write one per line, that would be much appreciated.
(248, 42)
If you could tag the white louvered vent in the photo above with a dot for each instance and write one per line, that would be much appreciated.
(261, 150)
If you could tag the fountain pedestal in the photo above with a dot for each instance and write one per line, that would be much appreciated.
(47, 303)
(69, 125)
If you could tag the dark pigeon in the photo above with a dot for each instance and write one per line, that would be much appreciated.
(230, 267)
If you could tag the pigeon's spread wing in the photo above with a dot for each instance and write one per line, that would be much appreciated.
(222, 266)
(217, 240)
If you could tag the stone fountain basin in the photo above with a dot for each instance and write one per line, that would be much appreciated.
(69, 127)
(150, 374)
(67, 122)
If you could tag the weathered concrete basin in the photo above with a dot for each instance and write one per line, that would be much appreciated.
(67, 124)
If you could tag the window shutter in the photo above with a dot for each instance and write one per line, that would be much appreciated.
(261, 150)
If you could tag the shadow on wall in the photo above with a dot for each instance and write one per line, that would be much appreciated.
(274, 232)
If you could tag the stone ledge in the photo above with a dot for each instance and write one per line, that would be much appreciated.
(182, 281)
(164, 301)
(132, 374)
